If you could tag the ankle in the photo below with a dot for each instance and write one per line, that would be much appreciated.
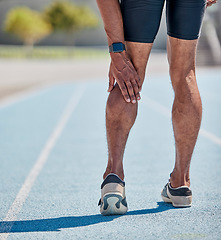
(179, 180)
(119, 173)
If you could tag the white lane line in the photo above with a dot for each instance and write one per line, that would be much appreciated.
(30, 180)
(156, 106)
(210, 136)
(167, 113)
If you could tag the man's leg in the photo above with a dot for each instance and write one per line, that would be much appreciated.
(187, 107)
(120, 115)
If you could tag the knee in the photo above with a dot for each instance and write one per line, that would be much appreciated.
(186, 89)
(187, 98)
(184, 82)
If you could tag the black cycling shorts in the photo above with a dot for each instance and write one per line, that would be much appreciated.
(141, 18)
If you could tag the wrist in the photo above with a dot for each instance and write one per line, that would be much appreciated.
(117, 47)
(118, 55)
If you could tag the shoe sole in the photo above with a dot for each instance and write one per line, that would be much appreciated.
(113, 205)
(181, 201)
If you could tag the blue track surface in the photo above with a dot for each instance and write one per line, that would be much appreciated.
(62, 203)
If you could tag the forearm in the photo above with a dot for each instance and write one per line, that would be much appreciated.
(121, 70)
(112, 18)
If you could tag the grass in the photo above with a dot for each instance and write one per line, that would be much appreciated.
(45, 52)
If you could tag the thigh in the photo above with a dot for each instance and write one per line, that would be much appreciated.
(181, 53)
(141, 19)
(181, 57)
(184, 18)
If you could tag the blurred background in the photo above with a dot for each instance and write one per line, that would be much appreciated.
(46, 41)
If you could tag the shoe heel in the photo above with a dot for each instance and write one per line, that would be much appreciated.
(182, 201)
(112, 205)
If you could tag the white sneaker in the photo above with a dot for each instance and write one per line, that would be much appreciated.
(113, 200)
(179, 197)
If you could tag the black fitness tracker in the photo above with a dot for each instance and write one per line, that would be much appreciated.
(117, 47)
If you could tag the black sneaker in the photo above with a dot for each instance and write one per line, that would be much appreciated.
(113, 200)
(179, 197)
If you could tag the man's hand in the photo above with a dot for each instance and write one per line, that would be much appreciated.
(210, 2)
(123, 71)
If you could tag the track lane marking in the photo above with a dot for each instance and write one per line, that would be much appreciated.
(24, 191)
(167, 113)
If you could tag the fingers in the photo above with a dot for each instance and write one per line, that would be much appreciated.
(136, 90)
(124, 91)
(111, 83)
(111, 79)
(138, 81)
(133, 85)
(129, 90)
(135, 75)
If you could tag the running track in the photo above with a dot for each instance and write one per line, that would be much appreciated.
(53, 153)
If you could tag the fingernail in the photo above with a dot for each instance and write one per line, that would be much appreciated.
(134, 101)
(138, 98)
(128, 100)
